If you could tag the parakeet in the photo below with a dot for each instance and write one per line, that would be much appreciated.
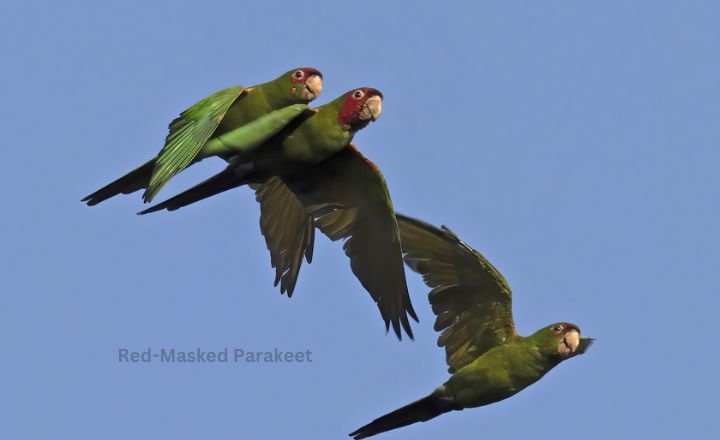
(488, 360)
(333, 183)
(199, 132)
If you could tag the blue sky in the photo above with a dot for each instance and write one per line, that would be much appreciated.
(575, 145)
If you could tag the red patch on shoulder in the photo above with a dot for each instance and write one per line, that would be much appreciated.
(370, 163)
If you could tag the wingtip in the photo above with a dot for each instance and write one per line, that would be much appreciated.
(149, 194)
(289, 290)
(278, 276)
(396, 330)
(398, 325)
(408, 329)
(411, 311)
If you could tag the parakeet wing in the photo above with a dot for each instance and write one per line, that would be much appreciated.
(288, 229)
(471, 299)
(188, 133)
(347, 197)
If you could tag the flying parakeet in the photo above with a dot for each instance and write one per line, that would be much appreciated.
(202, 130)
(338, 186)
(488, 360)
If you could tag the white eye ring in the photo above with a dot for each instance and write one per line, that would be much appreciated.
(358, 94)
(298, 74)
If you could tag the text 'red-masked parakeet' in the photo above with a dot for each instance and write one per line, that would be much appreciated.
(314, 153)
(200, 131)
(488, 360)
(346, 197)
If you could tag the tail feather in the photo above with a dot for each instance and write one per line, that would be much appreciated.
(228, 179)
(419, 411)
(135, 180)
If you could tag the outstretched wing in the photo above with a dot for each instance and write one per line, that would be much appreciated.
(348, 199)
(288, 229)
(471, 299)
(188, 133)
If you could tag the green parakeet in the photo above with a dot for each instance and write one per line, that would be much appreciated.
(203, 130)
(488, 360)
(339, 187)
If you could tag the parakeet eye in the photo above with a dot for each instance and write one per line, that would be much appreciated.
(358, 94)
(557, 328)
(298, 74)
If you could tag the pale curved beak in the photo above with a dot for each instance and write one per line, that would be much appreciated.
(569, 343)
(372, 108)
(313, 87)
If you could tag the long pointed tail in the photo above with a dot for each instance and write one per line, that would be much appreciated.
(230, 178)
(419, 411)
(135, 180)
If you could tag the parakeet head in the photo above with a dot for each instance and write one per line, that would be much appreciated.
(305, 84)
(359, 107)
(296, 86)
(562, 340)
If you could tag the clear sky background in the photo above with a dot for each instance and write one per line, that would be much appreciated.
(575, 144)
